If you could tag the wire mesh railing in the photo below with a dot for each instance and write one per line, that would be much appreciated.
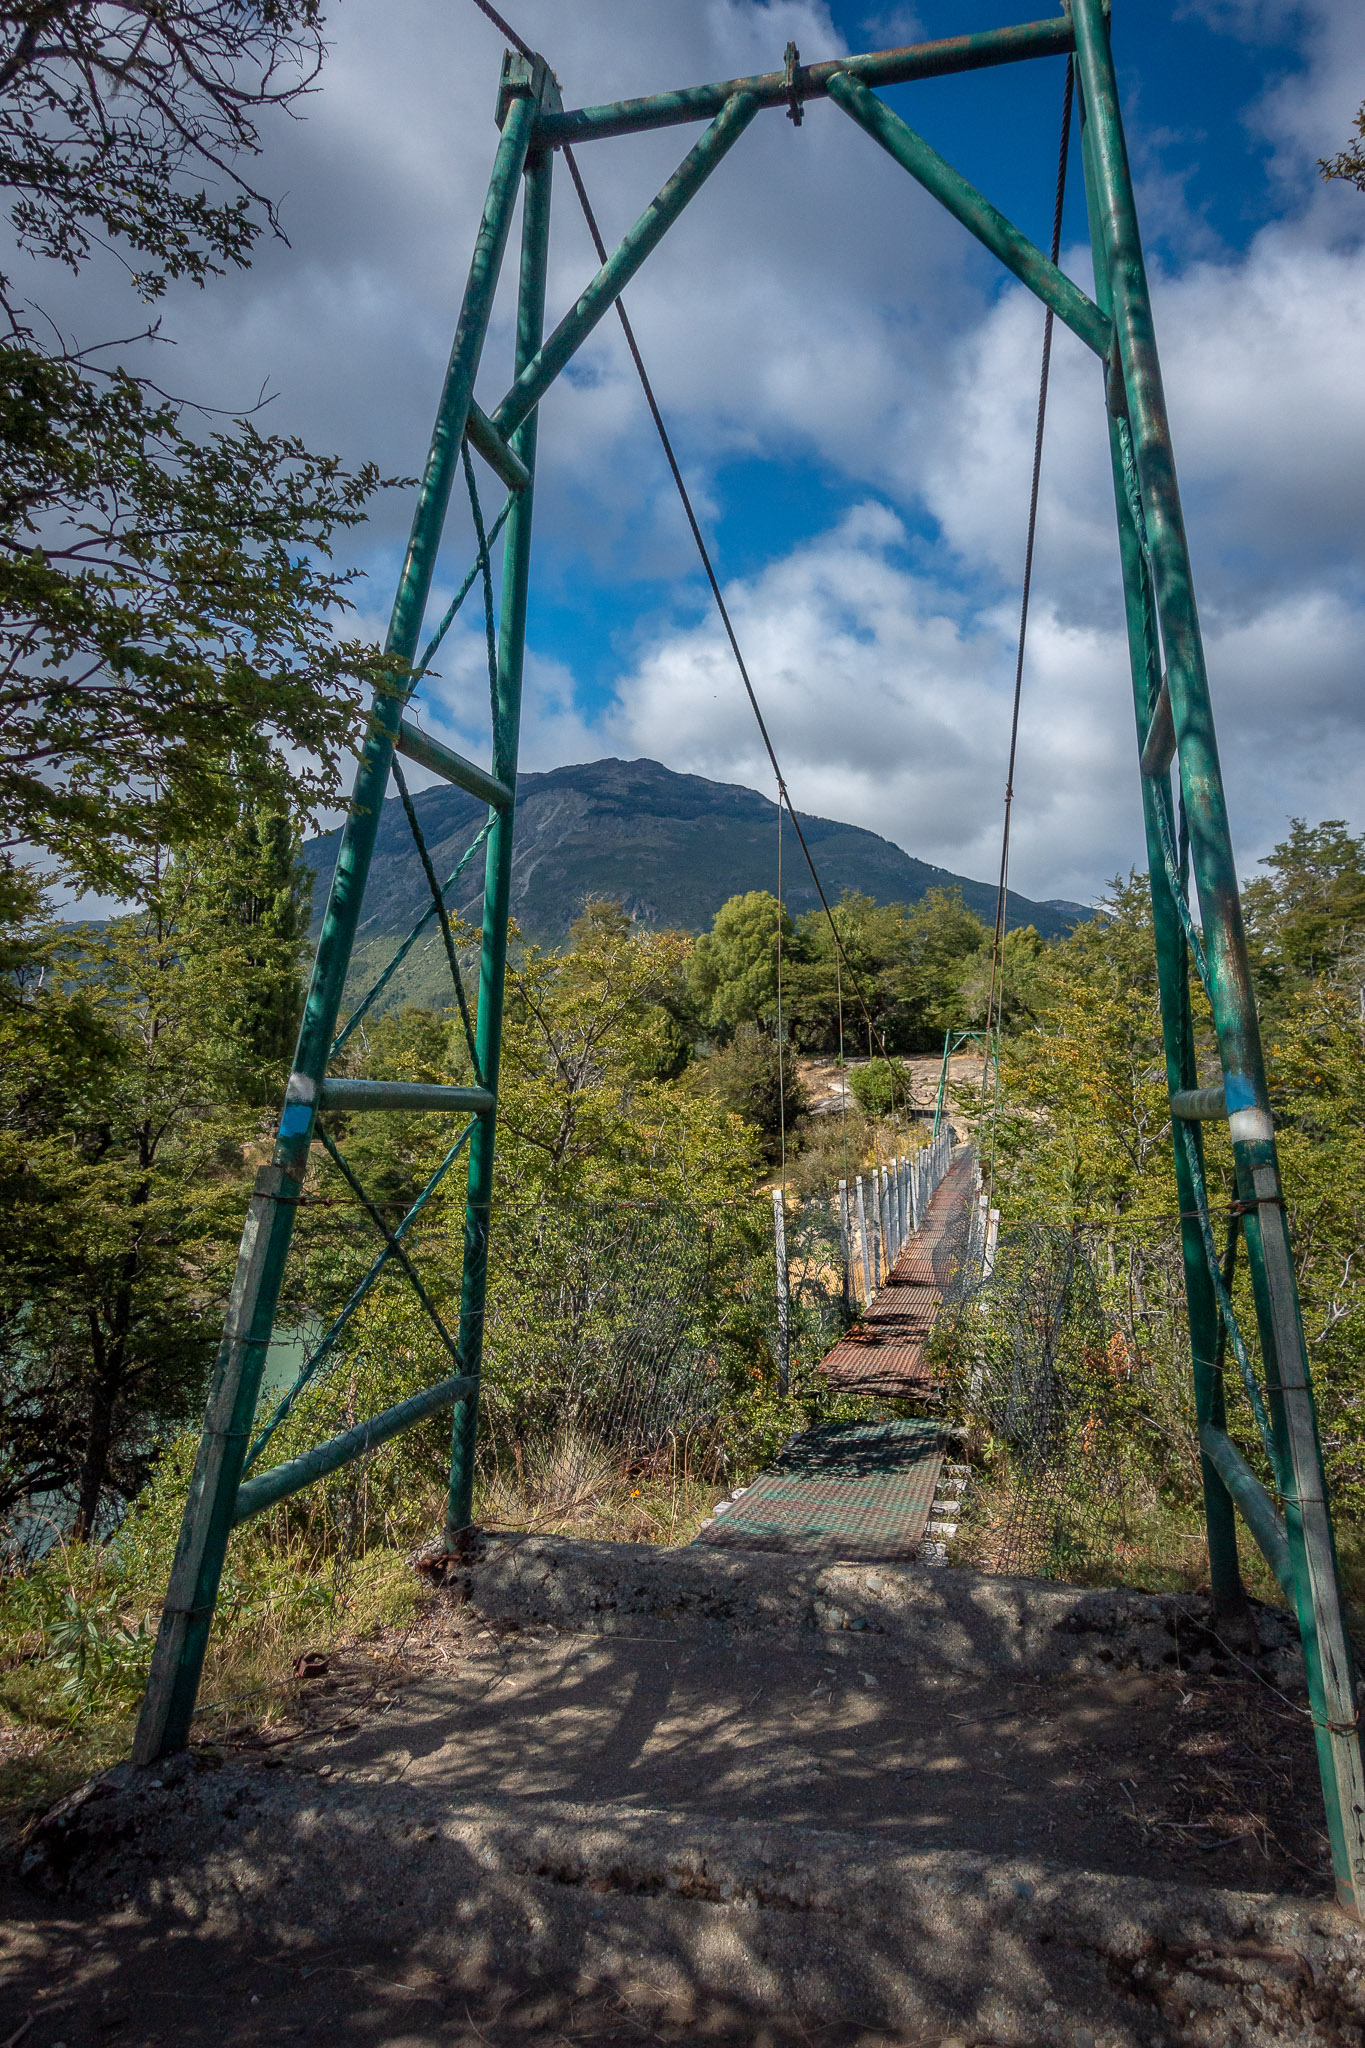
(1064, 1358)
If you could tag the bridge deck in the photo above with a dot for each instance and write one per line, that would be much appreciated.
(865, 1490)
(883, 1354)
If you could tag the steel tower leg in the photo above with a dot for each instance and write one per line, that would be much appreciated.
(182, 1638)
(1172, 962)
(1139, 396)
(516, 569)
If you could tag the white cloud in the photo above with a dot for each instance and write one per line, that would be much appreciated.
(814, 306)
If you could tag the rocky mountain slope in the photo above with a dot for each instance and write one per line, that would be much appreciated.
(670, 847)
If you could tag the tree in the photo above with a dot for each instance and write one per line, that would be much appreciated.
(751, 1078)
(1348, 163)
(132, 1065)
(1093, 1139)
(881, 1087)
(1084, 1139)
(904, 964)
(583, 1048)
(1306, 918)
(733, 970)
(1015, 981)
(166, 598)
(250, 897)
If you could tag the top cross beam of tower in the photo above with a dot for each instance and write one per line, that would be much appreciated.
(810, 81)
(1290, 1520)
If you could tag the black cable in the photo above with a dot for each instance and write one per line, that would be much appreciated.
(998, 936)
(784, 796)
(513, 38)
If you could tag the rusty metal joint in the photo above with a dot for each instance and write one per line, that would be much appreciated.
(792, 83)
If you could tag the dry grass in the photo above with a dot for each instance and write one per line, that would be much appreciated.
(568, 1486)
(282, 1596)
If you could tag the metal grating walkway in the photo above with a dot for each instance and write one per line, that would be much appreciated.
(853, 1490)
(883, 1354)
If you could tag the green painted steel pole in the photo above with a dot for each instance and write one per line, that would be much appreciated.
(938, 59)
(182, 1637)
(1172, 963)
(974, 210)
(540, 370)
(1321, 1616)
(516, 571)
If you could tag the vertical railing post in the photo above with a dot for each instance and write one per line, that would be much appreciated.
(191, 1596)
(1139, 397)
(846, 1249)
(862, 1241)
(516, 573)
(783, 1304)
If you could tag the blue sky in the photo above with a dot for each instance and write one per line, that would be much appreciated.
(850, 383)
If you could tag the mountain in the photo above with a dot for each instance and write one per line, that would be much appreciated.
(670, 847)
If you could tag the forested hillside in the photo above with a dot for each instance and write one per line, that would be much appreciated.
(670, 848)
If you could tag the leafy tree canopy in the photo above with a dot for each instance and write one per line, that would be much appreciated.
(132, 1061)
(166, 592)
(1307, 916)
(733, 969)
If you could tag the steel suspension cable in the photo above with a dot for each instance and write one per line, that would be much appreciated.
(784, 796)
(781, 1071)
(1002, 893)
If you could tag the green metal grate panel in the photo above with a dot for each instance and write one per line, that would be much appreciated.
(858, 1490)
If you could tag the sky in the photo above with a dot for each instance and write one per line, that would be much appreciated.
(850, 382)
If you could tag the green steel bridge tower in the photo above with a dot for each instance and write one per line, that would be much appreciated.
(1291, 1522)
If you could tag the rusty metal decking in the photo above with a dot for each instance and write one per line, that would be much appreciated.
(883, 1354)
(848, 1490)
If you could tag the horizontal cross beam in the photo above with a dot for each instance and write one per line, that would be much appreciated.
(339, 1093)
(809, 81)
(415, 745)
(505, 462)
(1258, 1510)
(255, 1495)
(1200, 1105)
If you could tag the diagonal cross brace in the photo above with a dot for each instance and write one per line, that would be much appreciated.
(961, 198)
(621, 266)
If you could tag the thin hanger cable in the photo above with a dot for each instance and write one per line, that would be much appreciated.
(1002, 893)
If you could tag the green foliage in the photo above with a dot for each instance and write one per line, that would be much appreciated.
(103, 1659)
(880, 1087)
(1306, 918)
(112, 119)
(1348, 163)
(1085, 1133)
(1012, 998)
(247, 899)
(733, 968)
(907, 965)
(167, 605)
(749, 1078)
(132, 1059)
(166, 619)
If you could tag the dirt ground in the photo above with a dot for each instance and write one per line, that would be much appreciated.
(1201, 1779)
(84, 1979)
(1176, 1777)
